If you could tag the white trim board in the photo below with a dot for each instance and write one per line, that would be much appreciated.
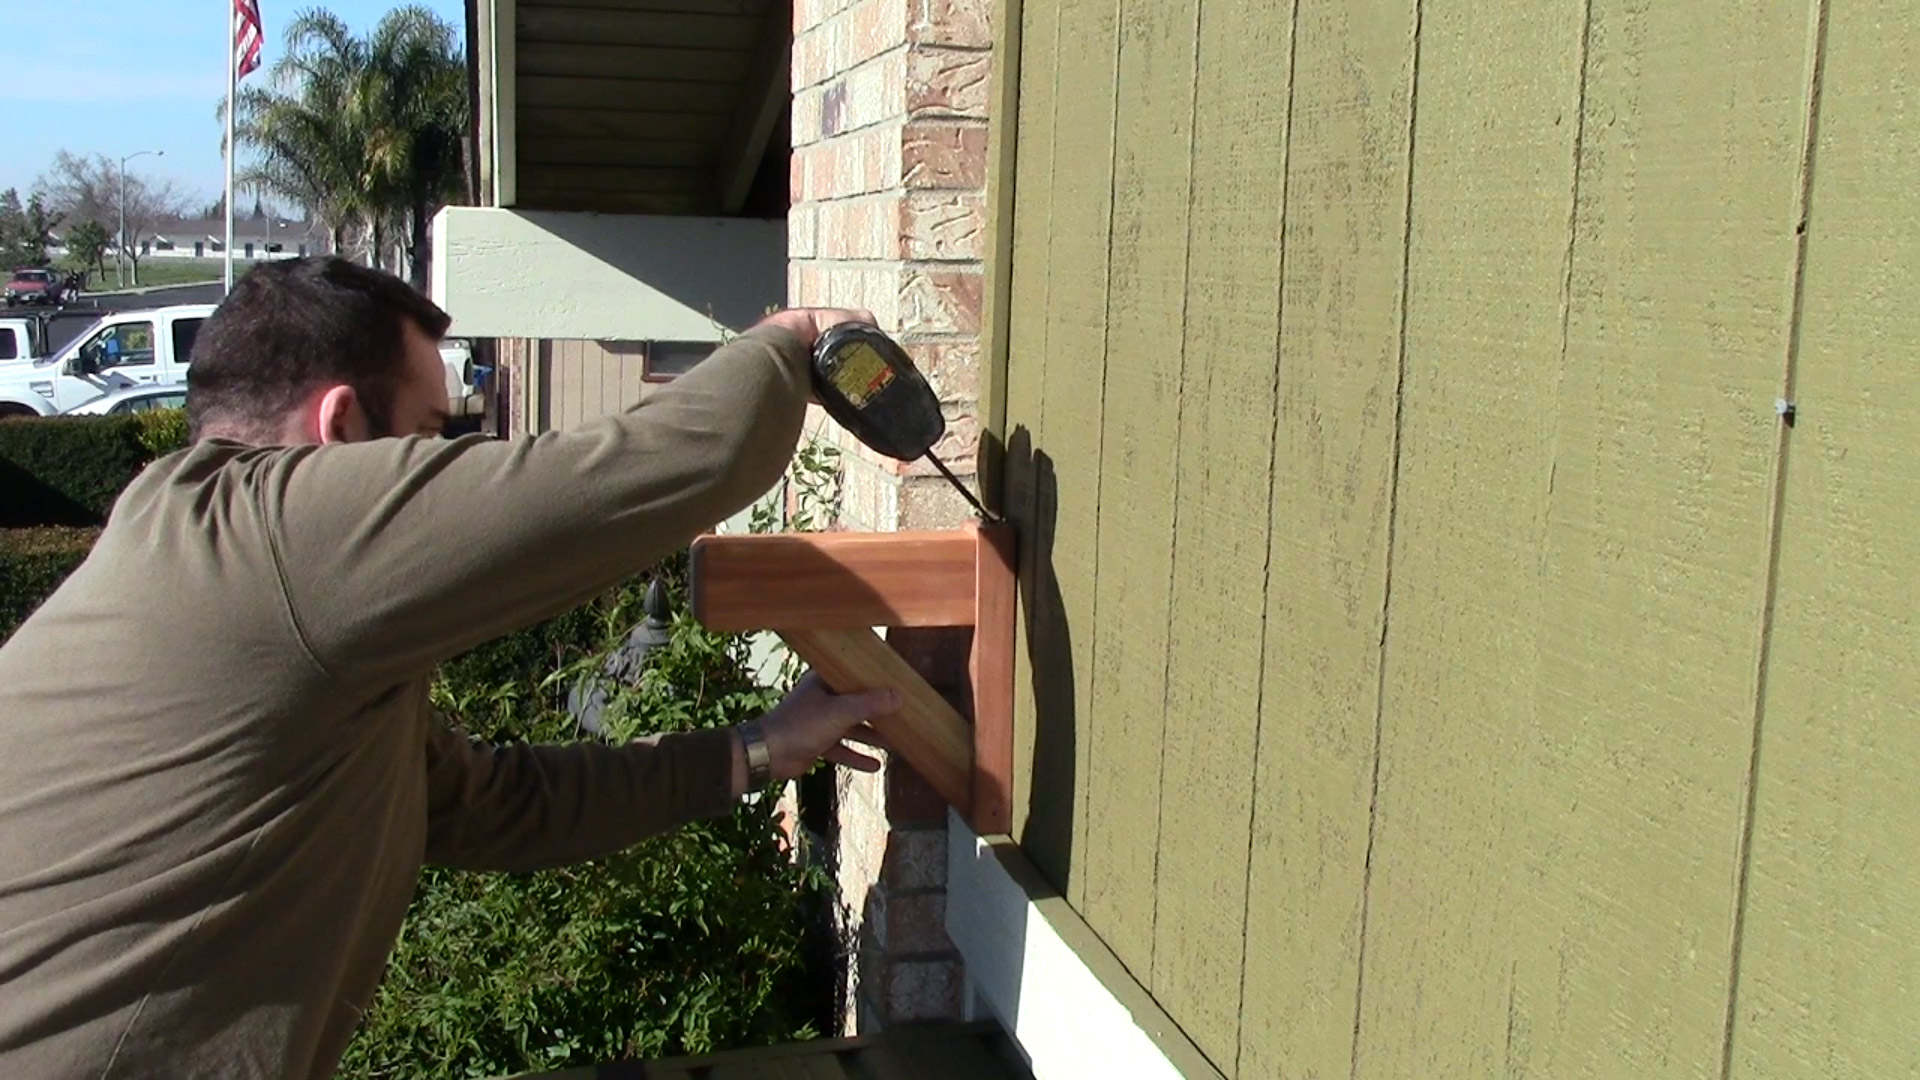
(1047, 977)
(599, 277)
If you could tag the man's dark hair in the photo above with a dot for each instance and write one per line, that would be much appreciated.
(292, 326)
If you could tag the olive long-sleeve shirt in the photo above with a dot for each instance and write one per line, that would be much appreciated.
(219, 773)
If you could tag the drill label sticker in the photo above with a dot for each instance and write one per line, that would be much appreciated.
(861, 374)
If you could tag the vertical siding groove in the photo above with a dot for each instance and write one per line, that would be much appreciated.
(1393, 504)
(1173, 538)
(1818, 15)
(1273, 456)
(1084, 781)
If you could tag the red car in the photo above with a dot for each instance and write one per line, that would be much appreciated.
(35, 287)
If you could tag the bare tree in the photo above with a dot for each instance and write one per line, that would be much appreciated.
(83, 188)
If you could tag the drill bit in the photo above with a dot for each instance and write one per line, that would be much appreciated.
(986, 515)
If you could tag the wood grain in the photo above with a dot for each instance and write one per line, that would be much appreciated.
(834, 581)
(990, 668)
(1829, 972)
(926, 731)
(1231, 366)
(1146, 267)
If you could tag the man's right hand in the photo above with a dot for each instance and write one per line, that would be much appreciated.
(809, 323)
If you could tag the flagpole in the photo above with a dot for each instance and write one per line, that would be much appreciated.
(233, 80)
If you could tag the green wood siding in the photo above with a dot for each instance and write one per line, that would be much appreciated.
(1437, 656)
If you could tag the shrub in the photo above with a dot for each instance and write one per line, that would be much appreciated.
(162, 431)
(691, 941)
(33, 563)
(67, 470)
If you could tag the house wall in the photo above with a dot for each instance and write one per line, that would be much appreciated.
(547, 274)
(889, 163)
(1467, 619)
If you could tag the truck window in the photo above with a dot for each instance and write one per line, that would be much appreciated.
(184, 333)
(9, 344)
(128, 344)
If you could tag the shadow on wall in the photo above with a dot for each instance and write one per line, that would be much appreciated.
(730, 268)
(1032, 503)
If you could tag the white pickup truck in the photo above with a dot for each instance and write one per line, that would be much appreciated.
(129, 348)
(21, 341)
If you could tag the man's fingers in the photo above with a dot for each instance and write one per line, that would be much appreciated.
(851, 758)
(866, 735)
(857, 709)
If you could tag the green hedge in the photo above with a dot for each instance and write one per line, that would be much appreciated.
(33, 563)
(68, 470)
(692, 941)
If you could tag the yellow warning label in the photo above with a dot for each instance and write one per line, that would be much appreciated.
(861, 373)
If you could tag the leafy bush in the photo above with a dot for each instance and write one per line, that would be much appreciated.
(162, 431)
(33, 563)
(690, 941)
(67, 470)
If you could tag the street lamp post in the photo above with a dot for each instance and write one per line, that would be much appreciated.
(120, 239)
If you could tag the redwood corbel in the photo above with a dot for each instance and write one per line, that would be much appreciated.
(826, 593)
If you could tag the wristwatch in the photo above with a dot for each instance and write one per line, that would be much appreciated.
(759, 758)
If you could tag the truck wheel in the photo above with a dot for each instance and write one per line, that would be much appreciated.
(16, 412)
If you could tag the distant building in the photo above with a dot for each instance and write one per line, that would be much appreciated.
(262, 238)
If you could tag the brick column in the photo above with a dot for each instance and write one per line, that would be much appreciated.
(889, 170)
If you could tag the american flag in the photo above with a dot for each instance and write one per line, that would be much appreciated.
(246, 35)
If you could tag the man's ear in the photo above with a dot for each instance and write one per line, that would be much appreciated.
(337, 416)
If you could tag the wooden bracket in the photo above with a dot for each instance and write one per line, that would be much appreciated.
(825, 593)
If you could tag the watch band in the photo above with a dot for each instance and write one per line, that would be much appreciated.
(759, 758)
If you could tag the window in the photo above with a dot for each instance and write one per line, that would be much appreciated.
(128, 344)
(150, 402)
(9, 344)
(185, 331)
(668, 359)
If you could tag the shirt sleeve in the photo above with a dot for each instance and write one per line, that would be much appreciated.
(398, 553)
(521, 808)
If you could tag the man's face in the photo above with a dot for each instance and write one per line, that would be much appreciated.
(419, 405)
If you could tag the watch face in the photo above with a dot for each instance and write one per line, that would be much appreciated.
(860, 373)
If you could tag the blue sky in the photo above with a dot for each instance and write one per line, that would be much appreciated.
(115, 76)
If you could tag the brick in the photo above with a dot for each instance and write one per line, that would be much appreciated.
(870, 94)
(802, 219)
(945, 226)
(807, 120)
(861, 228)
(915, 859)
(952, 22)
(874, 27)
(793, 285)
(947, 82)
(952, 367)
(920, 989)
(910, 799)
(940, 301)
(813, 285)
(911, 922)
(943, 154)
(929, 502)
(811, 63)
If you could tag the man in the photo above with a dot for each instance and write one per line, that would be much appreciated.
(219, 773)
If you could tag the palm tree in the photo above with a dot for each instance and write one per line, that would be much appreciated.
(366, 135)
(414, 111)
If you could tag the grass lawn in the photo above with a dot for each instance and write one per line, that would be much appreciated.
(158, 271)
